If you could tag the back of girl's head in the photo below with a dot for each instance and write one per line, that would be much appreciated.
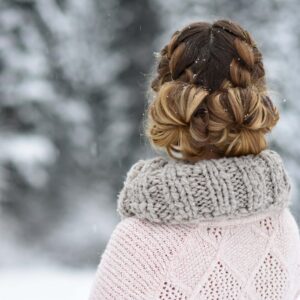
(210, 95)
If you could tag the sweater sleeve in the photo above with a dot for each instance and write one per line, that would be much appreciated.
(135, 260)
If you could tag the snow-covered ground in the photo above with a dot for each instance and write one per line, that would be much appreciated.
(45, 284)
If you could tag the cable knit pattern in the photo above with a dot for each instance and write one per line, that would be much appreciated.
(200, 245)
(170, 191)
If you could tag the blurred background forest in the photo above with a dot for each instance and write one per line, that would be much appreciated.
(73, 79)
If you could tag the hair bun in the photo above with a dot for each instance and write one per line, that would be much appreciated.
(171, 114)
(210, 93)
(239, 118)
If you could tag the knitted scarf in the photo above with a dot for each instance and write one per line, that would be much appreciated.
(164, 190)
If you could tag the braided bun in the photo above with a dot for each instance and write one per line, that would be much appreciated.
(210, 94)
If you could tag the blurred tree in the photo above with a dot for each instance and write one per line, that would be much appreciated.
(72, 99)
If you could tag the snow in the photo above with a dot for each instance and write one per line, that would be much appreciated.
(34, 149)
(45, 283)
(29, 153)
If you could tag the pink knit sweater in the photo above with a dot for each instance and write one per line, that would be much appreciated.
(218, 229)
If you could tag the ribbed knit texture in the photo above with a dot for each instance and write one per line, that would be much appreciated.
(209, 247)
(169, 191)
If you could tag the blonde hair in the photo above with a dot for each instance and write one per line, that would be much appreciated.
(210, 94)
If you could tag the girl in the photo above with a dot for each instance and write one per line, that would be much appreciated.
(212, 219)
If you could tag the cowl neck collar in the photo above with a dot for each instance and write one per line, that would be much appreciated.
(164, 190)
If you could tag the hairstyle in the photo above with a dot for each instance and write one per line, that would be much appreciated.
(209, 94)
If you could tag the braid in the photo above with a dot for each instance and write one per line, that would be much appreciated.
(215, 72)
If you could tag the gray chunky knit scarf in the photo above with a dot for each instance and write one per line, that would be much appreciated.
(169, 191)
